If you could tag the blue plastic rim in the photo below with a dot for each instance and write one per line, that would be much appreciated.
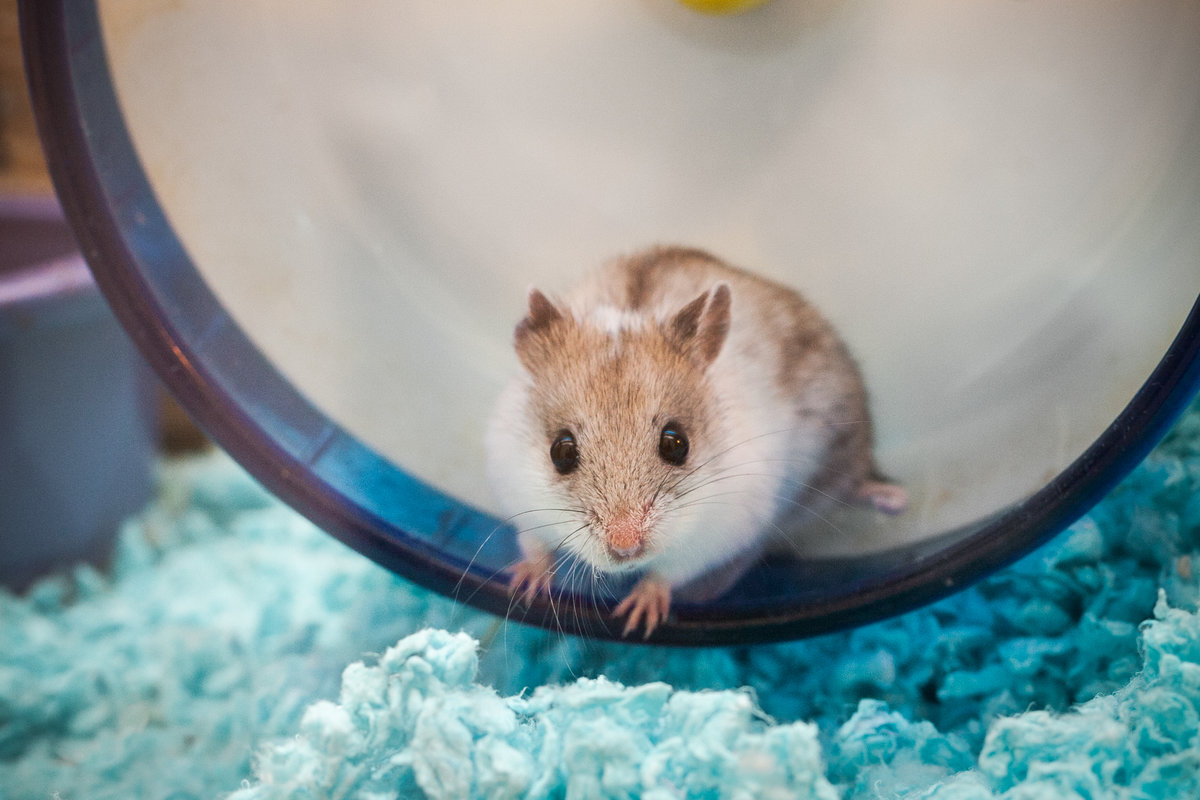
(346, 488)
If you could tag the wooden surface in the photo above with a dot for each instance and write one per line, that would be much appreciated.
(22, 166)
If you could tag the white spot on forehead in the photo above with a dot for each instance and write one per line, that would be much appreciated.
(613, 321)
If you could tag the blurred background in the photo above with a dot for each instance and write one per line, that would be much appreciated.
(22, 168)
(23, 172)
(81, 416)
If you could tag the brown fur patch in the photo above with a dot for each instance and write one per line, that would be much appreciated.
(643, 270)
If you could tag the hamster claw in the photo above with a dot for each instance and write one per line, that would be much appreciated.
(650, 598)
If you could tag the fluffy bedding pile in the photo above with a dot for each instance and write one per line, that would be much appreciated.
(235, 650)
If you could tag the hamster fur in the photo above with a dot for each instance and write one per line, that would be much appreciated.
(670, 415)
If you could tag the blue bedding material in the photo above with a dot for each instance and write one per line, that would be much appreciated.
(234, 650)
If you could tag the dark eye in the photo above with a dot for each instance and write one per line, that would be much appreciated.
(564, 453)
(673, 444)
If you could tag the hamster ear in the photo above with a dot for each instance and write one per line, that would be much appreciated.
(541, 311)
(542, 314)
(701, 327)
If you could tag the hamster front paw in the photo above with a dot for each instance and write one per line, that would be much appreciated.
(649, 598)
(532, 576)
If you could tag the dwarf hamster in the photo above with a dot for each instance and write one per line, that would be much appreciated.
(670, 414)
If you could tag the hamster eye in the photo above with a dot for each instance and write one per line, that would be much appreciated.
(673, 444)
(564, 453)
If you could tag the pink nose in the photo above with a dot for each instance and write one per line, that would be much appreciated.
(626, 537)
(625, 552)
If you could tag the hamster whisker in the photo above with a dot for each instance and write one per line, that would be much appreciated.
(725, 451)
(785, 478)
(841, 473)
(791, 500)
(705, 498)
(781, 533)
(559, 548)
(500, 526)
(810, 511)
(488, 579)
(550, 599)
(543, 526)
(658, 490)
(570, 594)
(520, 599)
(704, 501)
(463, 576)
(755, 438)
(553, 570)
(792, 482)
(467, 569)
(583, 594)
(506, 568)
(808, 487)
(807, 459)
(709, 500)
(563, 555)
(788, 461)
(583, 580)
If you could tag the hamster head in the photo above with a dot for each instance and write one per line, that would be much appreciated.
(622, 419)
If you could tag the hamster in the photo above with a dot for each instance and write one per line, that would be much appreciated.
(671, 416)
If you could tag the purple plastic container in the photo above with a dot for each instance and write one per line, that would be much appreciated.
(77, 418)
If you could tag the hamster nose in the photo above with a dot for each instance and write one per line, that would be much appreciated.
(626, 538)
(622, 553)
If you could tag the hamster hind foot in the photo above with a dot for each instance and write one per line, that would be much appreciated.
(890, 498)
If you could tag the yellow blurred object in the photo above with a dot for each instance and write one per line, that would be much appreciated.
(722, 6)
